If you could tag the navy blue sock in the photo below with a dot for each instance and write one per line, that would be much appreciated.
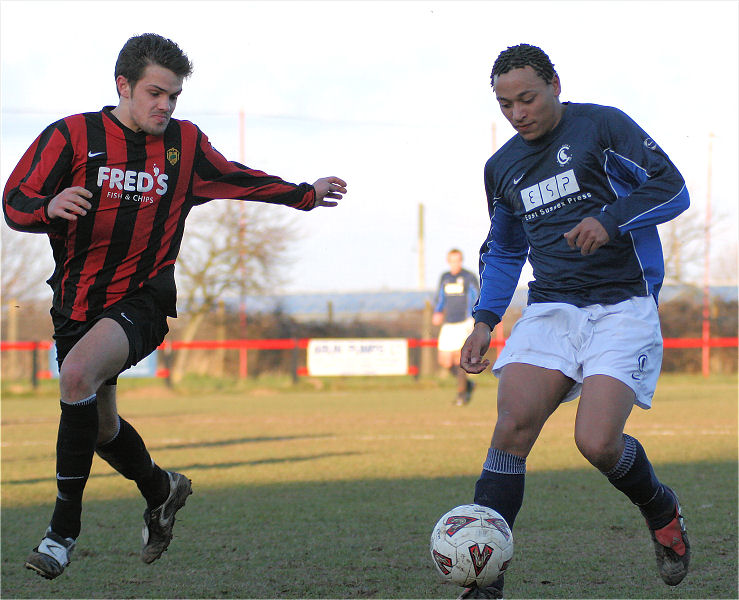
(634, 476)
(501, 484)
(75, 447)
(128, 455)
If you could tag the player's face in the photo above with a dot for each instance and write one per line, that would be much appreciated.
(454, 260)
(529, 103)
(148, 105)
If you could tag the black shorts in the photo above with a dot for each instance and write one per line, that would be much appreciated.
(144, 322)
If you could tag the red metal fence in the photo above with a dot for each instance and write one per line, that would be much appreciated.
(296, 344)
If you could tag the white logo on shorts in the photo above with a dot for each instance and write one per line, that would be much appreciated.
(127, 319)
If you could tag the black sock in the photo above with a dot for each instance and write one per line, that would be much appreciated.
(75, 447)
(634, 476)
(502, 491)
(128, 455)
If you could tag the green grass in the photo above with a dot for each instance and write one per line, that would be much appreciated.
(330, 489)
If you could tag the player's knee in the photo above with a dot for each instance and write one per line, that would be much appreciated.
(600, 451)
(514, 434)
(75, 382)
(445, 361)
(107, 428)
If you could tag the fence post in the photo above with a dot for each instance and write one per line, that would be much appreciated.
(425, 366)
(294, 361)
(34, 365)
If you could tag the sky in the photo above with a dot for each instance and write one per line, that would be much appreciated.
(395, 98)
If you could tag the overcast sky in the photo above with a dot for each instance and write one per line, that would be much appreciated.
(395, 98)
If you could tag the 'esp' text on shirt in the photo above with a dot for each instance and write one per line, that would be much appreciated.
(549, 190)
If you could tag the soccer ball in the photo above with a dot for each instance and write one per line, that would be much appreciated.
(471, 544)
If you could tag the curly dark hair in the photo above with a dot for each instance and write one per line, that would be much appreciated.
(523, 55)
(147, 49)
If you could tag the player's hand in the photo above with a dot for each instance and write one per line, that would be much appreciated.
(588, 235)
(329, 187)
(70, 203)
(474, 349)
(437, 318)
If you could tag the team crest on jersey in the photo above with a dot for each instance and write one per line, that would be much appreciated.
(564, 155)
(173, 156)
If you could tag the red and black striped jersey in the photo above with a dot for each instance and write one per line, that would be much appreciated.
(143, 188)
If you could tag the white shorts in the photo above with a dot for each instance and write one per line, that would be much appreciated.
(621, 340)
(452, 336)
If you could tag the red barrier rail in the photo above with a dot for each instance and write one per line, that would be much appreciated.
(302, 343)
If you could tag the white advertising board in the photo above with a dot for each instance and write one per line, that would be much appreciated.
(357, 357)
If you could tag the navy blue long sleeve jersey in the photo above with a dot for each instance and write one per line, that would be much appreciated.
(457, 295)
(597, 162)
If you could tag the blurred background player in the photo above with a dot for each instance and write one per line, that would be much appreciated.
(457, 294)
(579, 191)
(112, 190)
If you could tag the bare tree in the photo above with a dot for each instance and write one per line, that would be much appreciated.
(683, 245)
(25, 264)
(230, 248)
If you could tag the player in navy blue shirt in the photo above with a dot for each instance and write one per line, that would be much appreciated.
(455, 298)
(578, 191)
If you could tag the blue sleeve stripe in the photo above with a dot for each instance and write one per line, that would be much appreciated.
(648, 251)
(618, 171)
(502, 257)
(440, 299)
(619, 186)
(679, 196)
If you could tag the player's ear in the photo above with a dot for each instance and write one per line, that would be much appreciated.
(123, 86)
(556, 86)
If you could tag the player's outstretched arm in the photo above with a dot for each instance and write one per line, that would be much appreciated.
(474, 349)
(329, 187)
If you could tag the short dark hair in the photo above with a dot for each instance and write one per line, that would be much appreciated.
(523, 55)
(146, 49)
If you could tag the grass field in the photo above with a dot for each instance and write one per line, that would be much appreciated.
(330, 490)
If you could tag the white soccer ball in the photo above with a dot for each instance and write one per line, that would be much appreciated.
(471, 544)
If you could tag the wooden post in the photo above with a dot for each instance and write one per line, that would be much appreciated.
(426, 366)
(220, 358)
(12, 356)
(421, 251)
(706, 328)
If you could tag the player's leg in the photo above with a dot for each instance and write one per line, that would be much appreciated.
(527, 396)
(621, 364)
(604, 406)
(98, 355)
(165, 492)
(445, 359)
(447, 362)
(464, 387)
(120, 445)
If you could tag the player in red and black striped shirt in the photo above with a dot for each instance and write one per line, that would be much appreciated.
(112, 190)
